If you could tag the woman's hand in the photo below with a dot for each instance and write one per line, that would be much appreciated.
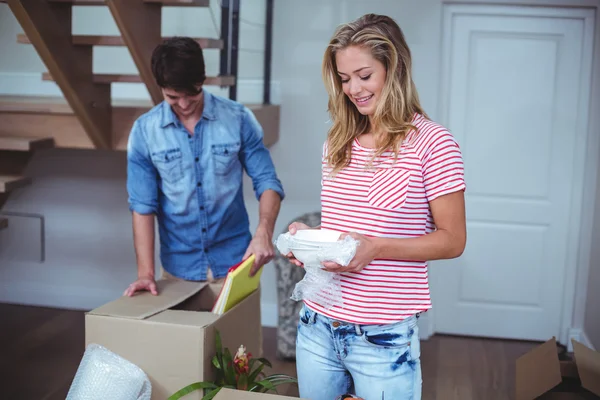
(293, 228)
(366, 251)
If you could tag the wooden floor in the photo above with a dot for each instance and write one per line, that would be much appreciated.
(40, 350)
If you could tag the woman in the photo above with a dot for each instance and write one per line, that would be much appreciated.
(394, 181)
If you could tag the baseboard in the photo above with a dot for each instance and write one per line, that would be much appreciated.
(250, 91)
(579, 335)
(80, 298)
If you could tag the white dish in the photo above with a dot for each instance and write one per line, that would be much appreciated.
(315, 236)
(307, 243)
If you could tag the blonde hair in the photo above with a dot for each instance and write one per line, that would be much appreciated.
(399, 99)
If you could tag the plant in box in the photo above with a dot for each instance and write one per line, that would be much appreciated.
(241, 372)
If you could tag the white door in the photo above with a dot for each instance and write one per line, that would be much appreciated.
(516, 80)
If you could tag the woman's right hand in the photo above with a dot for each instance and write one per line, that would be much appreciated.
(293, 228)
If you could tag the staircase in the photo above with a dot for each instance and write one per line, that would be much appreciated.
(87, 117)
(15, 152)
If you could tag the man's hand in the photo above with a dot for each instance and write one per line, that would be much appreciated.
(144, 283)
(263, 250)
(366, 251)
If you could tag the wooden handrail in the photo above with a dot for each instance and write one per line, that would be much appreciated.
(126, 78)
(170, 3)
(106, 40)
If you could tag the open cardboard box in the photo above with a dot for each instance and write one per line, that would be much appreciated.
(230, 394)
(540, 374)
(171, 337)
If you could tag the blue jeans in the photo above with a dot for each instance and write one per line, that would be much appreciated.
(374, 362)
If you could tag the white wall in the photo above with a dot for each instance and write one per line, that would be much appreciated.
(82, 193)
(592, 314)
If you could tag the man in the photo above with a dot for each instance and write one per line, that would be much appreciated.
(185, 163)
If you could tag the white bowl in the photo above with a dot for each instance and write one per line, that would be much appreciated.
(316, 236)
(307, 242)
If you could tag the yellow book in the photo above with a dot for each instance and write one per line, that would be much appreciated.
(238, 285)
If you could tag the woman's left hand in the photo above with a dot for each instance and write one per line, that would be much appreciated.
(365, 253)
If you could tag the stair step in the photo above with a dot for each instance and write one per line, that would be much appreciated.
(97, 40)
(3, 223)
(21, 143)
(124, 78)
(11, 182)
(52, 116)
(176, 3)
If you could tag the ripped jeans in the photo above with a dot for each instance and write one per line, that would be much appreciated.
(375, 362)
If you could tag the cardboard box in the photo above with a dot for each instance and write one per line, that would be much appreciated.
(172, 336)
(230, 394)
(540, 374)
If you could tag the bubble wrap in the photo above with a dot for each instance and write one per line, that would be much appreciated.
(104, 375)
(318, 285)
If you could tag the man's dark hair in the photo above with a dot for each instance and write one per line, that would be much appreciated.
(178, 64)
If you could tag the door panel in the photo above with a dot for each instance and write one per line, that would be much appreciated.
(511, 99)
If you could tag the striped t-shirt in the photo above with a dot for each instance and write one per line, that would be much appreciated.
(390, 199)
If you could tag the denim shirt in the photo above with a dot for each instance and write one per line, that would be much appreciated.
(193, 183)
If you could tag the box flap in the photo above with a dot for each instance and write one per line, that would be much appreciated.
(537, 371)
(144, 304)
(230, 394)
(588, 366)
(179, 317)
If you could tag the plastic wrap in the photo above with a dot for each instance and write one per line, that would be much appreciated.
(104, 375)
(318, 285)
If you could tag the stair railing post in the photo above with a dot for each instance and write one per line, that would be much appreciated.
(230, 30)
(268, 53)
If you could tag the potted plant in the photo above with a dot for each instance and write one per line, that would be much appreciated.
(241, 372)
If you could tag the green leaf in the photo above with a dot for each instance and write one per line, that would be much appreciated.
(266, 362)
(254, 374)
(216, 362)
(280, 376)
(252, 362)
(192, 388)
(265, 383)
(210, 395)
(242, 382)
(220, 374)
(229, 369)
(281, 381)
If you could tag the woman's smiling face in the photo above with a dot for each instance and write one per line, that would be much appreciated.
(363, 77)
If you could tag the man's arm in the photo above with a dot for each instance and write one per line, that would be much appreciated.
(262, 242)
(268, 209)
(257, 162)
(143, 241)
(142, 187)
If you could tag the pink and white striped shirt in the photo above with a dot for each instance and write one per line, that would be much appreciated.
(390, 199)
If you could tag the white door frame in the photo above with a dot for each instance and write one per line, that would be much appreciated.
(586, 170)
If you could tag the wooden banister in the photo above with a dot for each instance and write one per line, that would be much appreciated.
(48, 26)
(104, 40)
(140, 25)
(126, 78)
(171, 3)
